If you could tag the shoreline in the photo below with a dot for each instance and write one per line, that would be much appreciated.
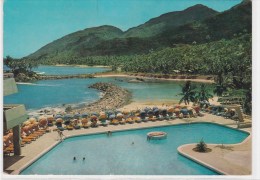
(151, 78)
(81, 66)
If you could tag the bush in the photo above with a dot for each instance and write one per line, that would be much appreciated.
(201, 146)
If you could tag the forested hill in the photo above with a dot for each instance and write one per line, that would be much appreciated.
(170, 20)
(197, 24)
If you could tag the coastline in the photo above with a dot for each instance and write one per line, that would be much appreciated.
(104, 75)
(81, 66)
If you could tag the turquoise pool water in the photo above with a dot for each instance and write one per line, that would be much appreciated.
(116, 155)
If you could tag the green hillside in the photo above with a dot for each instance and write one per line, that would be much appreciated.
(197, 24)
(170, 20)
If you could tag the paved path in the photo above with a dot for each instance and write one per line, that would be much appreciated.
(37, 148)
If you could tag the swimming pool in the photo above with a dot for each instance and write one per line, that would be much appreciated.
(129, 152)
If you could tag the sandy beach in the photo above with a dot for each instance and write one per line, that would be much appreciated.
(81, 66)
(149, 78)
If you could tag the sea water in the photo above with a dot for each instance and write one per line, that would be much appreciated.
(53, 93)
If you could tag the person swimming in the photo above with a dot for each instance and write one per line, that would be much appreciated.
(133, 143)
(83, 158)
(74, 158)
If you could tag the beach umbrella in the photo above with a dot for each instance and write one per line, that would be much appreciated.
(58, 116)
(176, 110)
(109, 112)
(142, 113)
(119, 115)
(77, 116)
(84, 115)
(59, 120)
(170, 110)
(125, 112)
(42, 118)
(68, 116)
(102, 117)
(50, 117)
(94, 114)
(184, 111)
(117, 111)
(177, 106)
(112, 116)
(84, 120)
(150, 112)
(155, 107)
(146, 109)
(93, 117)
(156, 112)
(26, 123)
(32, 120)
(189, 108)
(67, 122)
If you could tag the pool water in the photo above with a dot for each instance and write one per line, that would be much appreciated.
(117, 155)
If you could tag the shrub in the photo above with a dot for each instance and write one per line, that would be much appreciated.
(201, 146)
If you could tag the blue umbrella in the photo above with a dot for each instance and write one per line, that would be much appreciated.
(109, 113)
(112, 116)
(68, 116)
(164, 112)
(84, 115)
(154, 108)
(150, 112)
(184, 111)
(77, 116)
(58, 116)
(146, 109)
(95, 114)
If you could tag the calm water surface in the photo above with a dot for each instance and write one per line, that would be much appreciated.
(117, 155)
(50, 93)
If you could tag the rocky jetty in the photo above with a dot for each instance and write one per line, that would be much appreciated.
(50, 77)
(113, 97)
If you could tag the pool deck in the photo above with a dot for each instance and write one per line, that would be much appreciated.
(230, 159)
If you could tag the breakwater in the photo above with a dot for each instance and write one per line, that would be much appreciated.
(49, 77)
(113, 97)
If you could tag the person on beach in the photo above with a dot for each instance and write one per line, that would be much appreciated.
(109, 133)
(61, 135)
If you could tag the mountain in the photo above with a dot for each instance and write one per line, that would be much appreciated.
(76, 41)
(196, 24)
(170, 20)
(230, 23)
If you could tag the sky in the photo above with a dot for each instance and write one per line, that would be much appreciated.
(31, 24)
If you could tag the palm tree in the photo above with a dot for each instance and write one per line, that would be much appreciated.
(203, 94)
(188, 92)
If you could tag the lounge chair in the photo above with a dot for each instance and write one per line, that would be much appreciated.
(114, 122)
(129, 120)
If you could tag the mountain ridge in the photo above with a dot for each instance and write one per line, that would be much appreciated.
(110, 40)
